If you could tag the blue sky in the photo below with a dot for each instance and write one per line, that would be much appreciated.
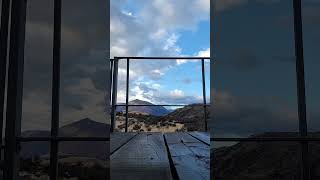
(162, 28)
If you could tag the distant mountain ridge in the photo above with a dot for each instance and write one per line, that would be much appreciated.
(152, 110)
(82, 128)
(89, 128)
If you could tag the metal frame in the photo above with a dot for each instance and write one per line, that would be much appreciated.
(114, 104)
(15, 88)
(303, 137)
(15, 84)
(4, 32)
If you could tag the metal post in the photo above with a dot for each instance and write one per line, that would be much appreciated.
(204, 94)
(5, 13)
(15, 89)
(127, 95)
(111, 79)
(114, 94)
(55, 90)
(305, 172)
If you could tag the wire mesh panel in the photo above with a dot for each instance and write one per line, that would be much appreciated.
(83, 160)
(314, 149)
(310, 17)
(255, 160)
(34, 160)
(84, 73)
(301, 148)
(254, 70)
(37, 89)
(39, 147)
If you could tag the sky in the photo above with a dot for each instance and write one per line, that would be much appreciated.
(161, 28)
(83, 63)
(254, 75)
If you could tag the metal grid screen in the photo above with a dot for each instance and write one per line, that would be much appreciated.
(303, 137)
(17, 11)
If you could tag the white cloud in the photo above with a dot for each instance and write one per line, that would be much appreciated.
(204, 53)
(203, 5)
(120, 51)
(177, 93)
(122, 76)
(181, 61)
(171, 43)
(157, 74)
(127, 13)
(140, 94)
(159, 34)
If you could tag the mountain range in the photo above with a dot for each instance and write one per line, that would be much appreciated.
(83, 128)
(89, 128)
(152, 110)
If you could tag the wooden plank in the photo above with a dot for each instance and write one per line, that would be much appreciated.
(118, 139)
(202, 136)
(143, 157)
(191, 157)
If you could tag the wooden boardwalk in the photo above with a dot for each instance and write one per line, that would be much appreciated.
(159, 156)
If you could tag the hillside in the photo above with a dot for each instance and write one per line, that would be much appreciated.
(263, 160)
(192, 116)
(187, 118)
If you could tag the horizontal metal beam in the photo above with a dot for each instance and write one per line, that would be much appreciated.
(28, 139)
(266, 139)
(164, 58)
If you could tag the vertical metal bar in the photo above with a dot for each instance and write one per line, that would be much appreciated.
(15, 89)
(127, 95)
(204, 94)
(114, 93)
(55, 89)
(111, 79)
(4, 32)
(305, 172)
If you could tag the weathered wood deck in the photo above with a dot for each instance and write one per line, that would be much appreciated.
(158, 156)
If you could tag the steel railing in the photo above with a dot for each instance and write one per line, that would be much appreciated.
(114, 86)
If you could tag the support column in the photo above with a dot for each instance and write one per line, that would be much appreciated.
(114, 93)
(55, 90)
(305, 171)
(5, 13)
(15, 89)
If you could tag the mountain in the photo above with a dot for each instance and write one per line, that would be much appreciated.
(83, 128)
(263, 160)
(187, 113)
(152, 110)
(192, 116)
